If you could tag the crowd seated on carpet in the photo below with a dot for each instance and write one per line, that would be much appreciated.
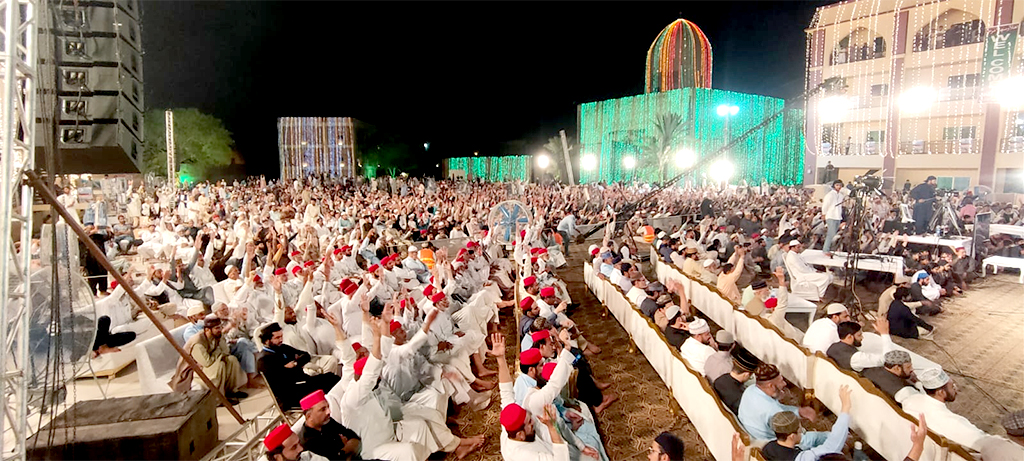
(334, 295)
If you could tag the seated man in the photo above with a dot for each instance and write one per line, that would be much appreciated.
(321, 434)
(210, 352)
(824, 332)
(895, 376)
(720, 362)
(903, 322)
(699, 346)
(939, 390)
(788, 434)
(846, 352)
(760, 403)
(924, 292)
(729, 386)
(282, 364)
(801, 272)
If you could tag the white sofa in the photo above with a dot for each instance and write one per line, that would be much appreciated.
(157, 359)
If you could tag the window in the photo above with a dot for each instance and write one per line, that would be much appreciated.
(74, 47)
(134, 63)
(876, 136)
(958, 132)
(135, 122)
(879, 90)
(72, 135)
(964, 81)
(75, 78)
(73, 17)
(132, 33)
(952, 182)
(830, 133)
(74, 107)
(136, 92)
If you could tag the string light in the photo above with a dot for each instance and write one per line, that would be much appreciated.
(315, 145)
(679, 57)
(493, 169)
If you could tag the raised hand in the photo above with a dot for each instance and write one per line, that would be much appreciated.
(497, 344)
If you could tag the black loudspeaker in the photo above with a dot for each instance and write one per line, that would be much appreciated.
(97, 50)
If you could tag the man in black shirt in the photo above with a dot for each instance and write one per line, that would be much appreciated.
(649, 305)
(894, 376)
(324, 436)
(923, 195)
(282, 364)
(675, 332)
(902, 322)
(729, 387)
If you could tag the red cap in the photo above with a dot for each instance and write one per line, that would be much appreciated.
(533, 259)
(512, 417)
(296, 269)
(281, 271)
(462, 251)
(530, 357)
(771, 303)
(308, 401)
(372, 268)
(472, 244)
(529, 281)
(346, 248)
(344, 284)
(547, 370)
(755, 236)
(595, 251)
(428, 290)
(257, 278)
(360, 364)
(395, 325)
(522, 234)
(542, 251)
(437, 297)
(534, 251)
(547, 292)
(113, 284)
(295, 253)
(308, 264)
(539, 335)
(339, 250)
(277, 436)
(356, 346)
(526, 303)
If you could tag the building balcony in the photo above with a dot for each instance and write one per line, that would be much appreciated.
(852, 149)
(949, 146)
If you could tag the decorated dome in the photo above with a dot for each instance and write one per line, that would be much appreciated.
(680, 57)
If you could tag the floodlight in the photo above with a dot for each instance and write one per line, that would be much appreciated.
(588, 162)
(629, 162)
(918, 99)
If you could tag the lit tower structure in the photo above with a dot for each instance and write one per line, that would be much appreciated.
(680, 57)
(309, 146)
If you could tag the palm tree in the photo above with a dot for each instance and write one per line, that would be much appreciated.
(670, 129)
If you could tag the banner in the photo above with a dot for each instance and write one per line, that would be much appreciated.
(999, 48)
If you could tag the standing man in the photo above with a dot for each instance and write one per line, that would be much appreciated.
(832, 212)
(567, 228)
(923, 195)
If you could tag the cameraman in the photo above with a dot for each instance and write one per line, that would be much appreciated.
(923, 195)
(832, 212)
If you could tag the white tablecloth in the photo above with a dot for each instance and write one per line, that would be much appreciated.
(1006, 229)
(890, 264)
(952, 242)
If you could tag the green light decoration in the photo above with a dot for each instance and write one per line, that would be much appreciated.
(493, 169)
(613, 129)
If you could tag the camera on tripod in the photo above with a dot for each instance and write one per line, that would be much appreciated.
(866, 183)
(944, 192)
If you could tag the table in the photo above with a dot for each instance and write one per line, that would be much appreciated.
(1002, 261)
(1005, 229)
(886, 263)
(952, 242)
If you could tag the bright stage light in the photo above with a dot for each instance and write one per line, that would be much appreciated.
(543, 161)
(1009, 92)
(727, 109)
(629, 162)
(685, 158)
(426, 146)
(833, 108)
(588, 162)
(917, 99)
(721, 171)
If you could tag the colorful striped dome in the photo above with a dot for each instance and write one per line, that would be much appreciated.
(679, 58)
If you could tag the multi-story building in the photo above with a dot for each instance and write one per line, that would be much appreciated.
(917, 88)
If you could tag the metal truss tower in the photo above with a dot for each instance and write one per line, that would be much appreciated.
(18, 66)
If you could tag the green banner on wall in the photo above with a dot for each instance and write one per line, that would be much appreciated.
(999, 48)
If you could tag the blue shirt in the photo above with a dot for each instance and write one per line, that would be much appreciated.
(192, 329)
(522, 385)
(756, 411)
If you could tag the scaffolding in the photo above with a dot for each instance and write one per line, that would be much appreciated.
(18, 66)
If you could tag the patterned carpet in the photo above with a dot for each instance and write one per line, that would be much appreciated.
(643, 410)
(979, 341)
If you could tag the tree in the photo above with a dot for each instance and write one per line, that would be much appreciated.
(200, 142)
(378, 147)
(670, 130)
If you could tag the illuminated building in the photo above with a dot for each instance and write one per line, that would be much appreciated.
(923, 88)
(309, 146)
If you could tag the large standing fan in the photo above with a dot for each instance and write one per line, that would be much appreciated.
(507, 219)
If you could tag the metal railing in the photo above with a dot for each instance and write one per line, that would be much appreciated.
(1013, 144)
(948, 146)
(244, 444)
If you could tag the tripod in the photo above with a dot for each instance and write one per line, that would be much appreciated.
(945, 216)
(847, 295)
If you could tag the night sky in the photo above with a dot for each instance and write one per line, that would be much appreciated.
(464, 76)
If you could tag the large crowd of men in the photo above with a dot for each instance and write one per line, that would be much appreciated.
(335, 296)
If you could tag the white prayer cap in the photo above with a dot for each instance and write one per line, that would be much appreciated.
(834, 308)
(708, 262)
(671, 311)
(412, 249)
(712, 254)
(195, 310)
(794, 242)
(227, 269)
(699, 326)
(661, 234)
(933, 378)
